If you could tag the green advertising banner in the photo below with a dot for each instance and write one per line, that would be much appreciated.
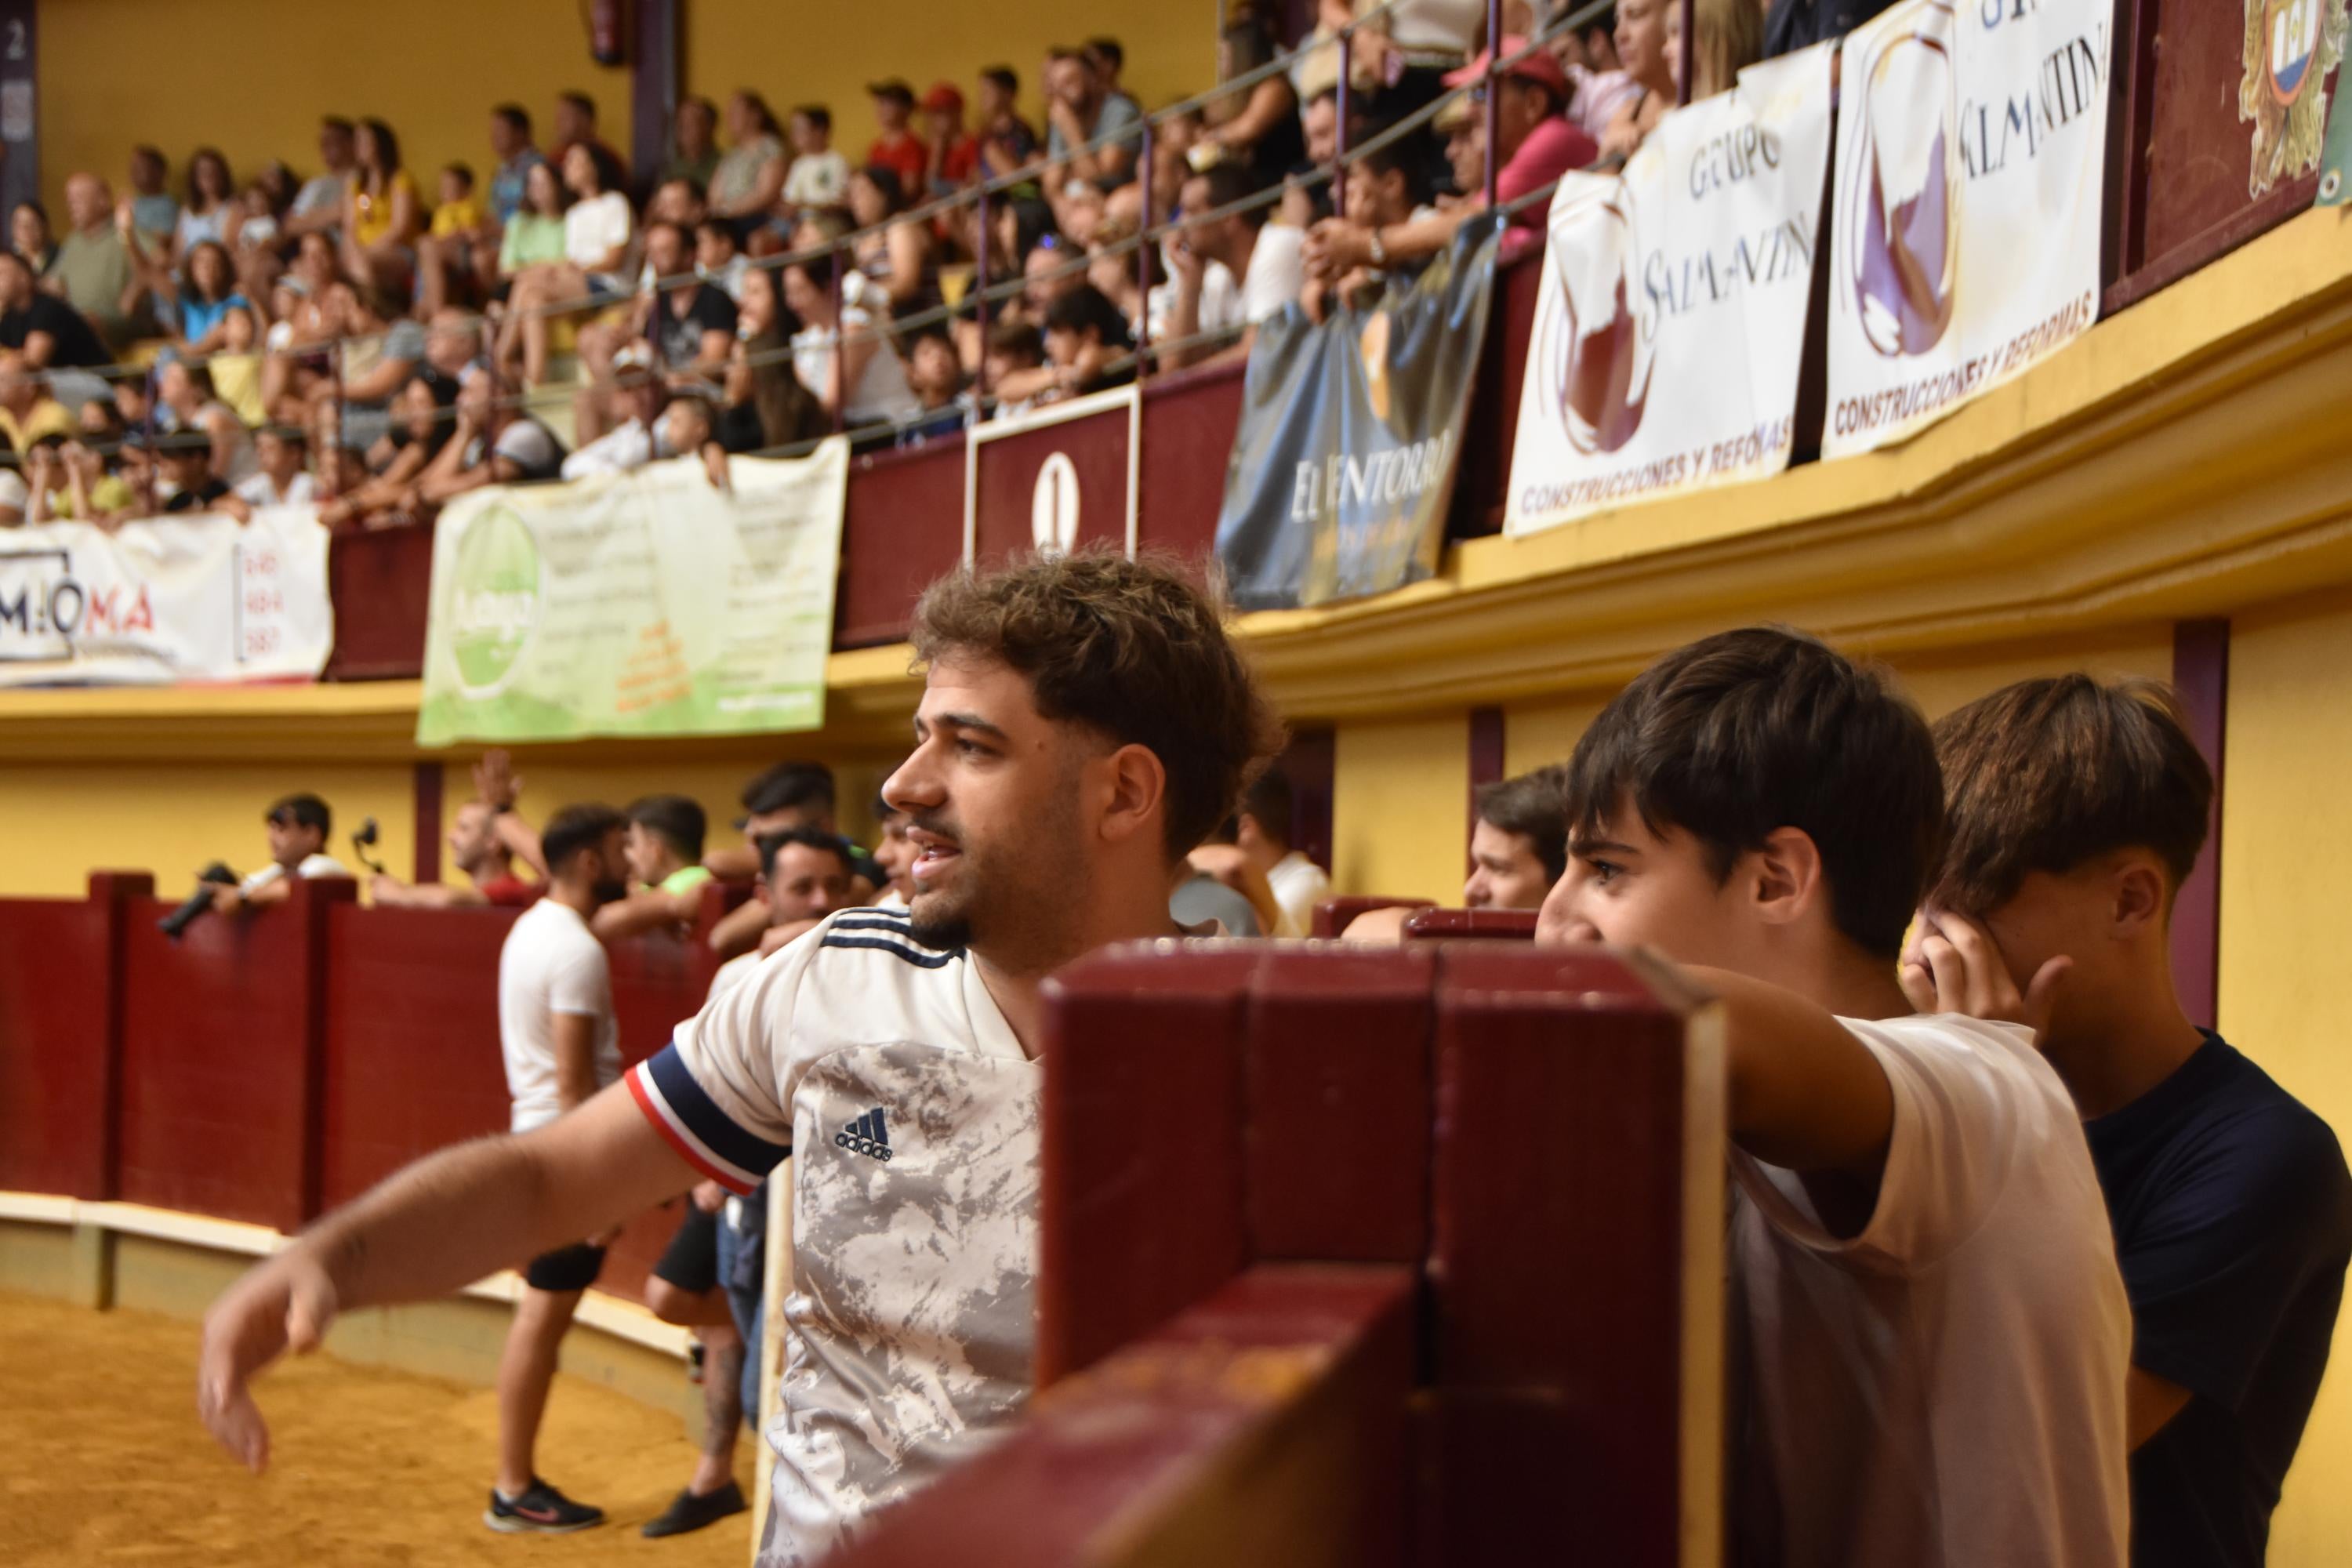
(644, 603)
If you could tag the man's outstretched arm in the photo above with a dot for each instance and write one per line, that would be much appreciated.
(441, 1224)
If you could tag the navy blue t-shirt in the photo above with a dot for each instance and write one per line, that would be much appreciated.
(2232, 1213)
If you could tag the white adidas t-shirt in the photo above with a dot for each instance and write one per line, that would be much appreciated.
(550, 963)
(1945, 1389)
(886, 1065)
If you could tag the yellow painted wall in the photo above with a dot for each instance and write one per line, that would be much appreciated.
(2285, 988)
(64, 819)
(1541, 735)
(1399, 807)
(826, 54)
(252, 77)
(1953, 679)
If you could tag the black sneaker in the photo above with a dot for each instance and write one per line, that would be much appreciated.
(694, 1356)
(541, 1511)
(687, 1512)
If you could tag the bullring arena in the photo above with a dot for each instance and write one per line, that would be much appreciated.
(1369, 785)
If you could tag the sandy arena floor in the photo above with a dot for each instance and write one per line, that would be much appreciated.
(104, 1461)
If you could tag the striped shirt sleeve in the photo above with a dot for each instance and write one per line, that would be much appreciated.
(715, 1093)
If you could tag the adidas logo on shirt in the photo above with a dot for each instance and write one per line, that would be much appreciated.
(867, 1135)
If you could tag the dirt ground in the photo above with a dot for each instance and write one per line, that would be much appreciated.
(102, 1460)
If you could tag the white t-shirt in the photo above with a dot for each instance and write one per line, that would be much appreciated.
(13, 494)
(884, 1069)
(1276, 271)
(311, 866)
(530, 445)
(1945, 1389)
(258, 490)
(817, 180)
(1299, 884)
(593, 229)
(627, 446)
(881, 393)
(550, 963)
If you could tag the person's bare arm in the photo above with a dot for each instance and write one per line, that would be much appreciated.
(739, 929)
(714, 468)
(736, 863)
(40, 348)
(1804, 1094)
(388, 377)
(648, 911)
(1270, 102)
(276, 891)
(390, 892)
(441, 1224)
(1234, 868)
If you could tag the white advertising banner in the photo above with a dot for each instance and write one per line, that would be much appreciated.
(1671, 326)
(200, 598)
(1971, 159)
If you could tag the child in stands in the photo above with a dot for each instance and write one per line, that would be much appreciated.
(1925, 1296)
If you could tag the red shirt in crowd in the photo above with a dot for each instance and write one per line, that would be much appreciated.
(906, 153)
(512, 892)
(961, 161)
(1555, 146)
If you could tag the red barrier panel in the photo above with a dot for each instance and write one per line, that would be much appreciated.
(61, 1038)
(901, 526)
(221, 1048)
(413, 1062)
(1070, 476)
(381, 581)
(1189, 420)
(1444, 925)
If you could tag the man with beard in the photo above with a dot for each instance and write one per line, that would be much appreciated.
(1085, 722)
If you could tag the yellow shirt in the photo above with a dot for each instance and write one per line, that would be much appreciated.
(48, 418)
(373, 215)
(457, 218)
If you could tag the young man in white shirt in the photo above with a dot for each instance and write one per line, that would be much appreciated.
(562, 1043)
(1261, 829)
(1265, 265)
(1084, 722)
(298, 827)
(1924, 1291)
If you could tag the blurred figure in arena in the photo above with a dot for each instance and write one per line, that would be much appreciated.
(486, 836)
(299, 826)
(562, 1045)
(664, 854)
(1263, 831)
(1518, 846)
(893, 853)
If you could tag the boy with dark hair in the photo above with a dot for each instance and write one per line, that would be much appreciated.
(1924, 1294)
(561, 1044)
(2077, 809)
(1085, 721)
(298, 826)
(664, 848)
(1518, 843)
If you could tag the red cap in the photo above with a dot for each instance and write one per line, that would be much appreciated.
(944, 97)
(1537, 66)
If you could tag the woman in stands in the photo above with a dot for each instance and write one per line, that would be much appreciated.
(841, 355)
(893, 253)
(1260, 128)
(299, 341)
(30, 236)
(766, 403)
(382, 214)
(211, 207)
(1111, 268)
(751, 173)
(1642, 51)
(534, 236)
(1730, 39)
(597, 230)
(424, 414)
(186, 401)
(213, 314)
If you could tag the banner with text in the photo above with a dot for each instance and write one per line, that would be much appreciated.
(1671, 324)
(1342, 467)
(644, 603)
(1971, 158)
(197, 598)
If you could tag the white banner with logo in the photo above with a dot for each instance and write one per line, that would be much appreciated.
(1971, 159)
(651, 602)
(1671, 325)
(199, 598)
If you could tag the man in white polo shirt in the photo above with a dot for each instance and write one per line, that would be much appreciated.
(562, 1045)
(1085, 722)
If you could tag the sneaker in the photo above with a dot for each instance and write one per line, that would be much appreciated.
(541, 1511)
(695, 1352)
(687, 1512)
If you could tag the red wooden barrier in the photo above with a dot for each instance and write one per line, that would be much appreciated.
(1332, 915)
(1444, 925)
(381, 581)
(901, 526)
(222, 1042)
(1189, 419)
(61, 1038)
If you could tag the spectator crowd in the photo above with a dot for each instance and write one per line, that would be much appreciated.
(373, 339)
